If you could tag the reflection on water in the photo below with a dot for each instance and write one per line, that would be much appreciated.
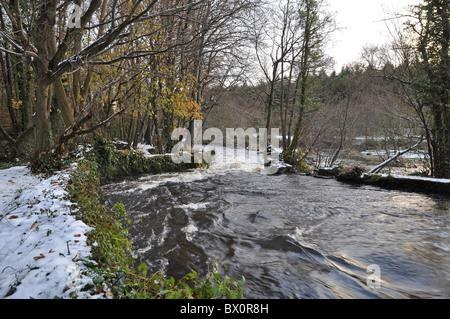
(291, 236)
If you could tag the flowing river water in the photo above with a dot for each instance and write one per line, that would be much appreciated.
(290, 236)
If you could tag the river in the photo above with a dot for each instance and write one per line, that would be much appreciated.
(290, 236)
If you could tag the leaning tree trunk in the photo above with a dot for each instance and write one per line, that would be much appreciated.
(379, 167)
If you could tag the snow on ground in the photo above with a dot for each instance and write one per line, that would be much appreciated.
(418, 154)
(41, 242)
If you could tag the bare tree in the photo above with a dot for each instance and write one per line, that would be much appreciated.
(316, 26)
(39, 31)
(277, 46)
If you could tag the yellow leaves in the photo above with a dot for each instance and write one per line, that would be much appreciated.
(16, 104)
(194, 111)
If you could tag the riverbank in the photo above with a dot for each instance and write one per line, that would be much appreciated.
(57, 239)
(42, 244)
(357, 175)
(291, 236)
(60, 241)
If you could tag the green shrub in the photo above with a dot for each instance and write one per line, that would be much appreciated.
(109, 235)
(104, 151)
(157, 286)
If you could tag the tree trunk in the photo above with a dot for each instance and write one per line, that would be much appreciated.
(25, 84)
(63, 103)
(44, 38)
(442, 142)
(42, 128)
(271, 96)
(399, 153)
(148, 131)
(283, 125)
(299, 125)
(8, 83)
(288, 105)
(304, 74)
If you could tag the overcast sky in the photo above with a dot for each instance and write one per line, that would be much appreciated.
(362, 20)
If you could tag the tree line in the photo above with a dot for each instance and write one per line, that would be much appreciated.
(150, 60)
(135, 70)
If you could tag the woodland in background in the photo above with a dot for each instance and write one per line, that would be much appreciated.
(135, 70)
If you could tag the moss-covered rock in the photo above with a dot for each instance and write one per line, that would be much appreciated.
(354, 174)
(117, 164)
(329, 171)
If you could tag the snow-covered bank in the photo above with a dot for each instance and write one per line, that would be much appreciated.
(414, 183)
(394, 181)
(41, 242)
(419, 178)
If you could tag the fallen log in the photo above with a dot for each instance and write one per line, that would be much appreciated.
(379, 167)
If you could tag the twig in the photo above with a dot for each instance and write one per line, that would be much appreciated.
(7, 268)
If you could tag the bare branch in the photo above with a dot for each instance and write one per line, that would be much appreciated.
(105, 42)
(6, 135)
